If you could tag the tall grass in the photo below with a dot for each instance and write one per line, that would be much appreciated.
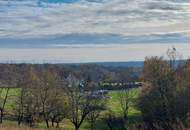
(2, 127)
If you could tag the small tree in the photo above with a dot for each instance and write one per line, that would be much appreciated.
(52, 99)
(25, 82)
(59, 111)
(20, 105)
(79, 101)
(126, 97)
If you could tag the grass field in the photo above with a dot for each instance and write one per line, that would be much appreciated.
(112, 104)
(12, 95)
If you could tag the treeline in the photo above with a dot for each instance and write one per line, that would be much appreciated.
(12, 74)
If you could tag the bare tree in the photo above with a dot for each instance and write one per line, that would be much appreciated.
(51, 97)
(20, 105)
(126, 97)
(79, 101)
(173, 56)
(23, 81)
(28, 100)
(59, 111)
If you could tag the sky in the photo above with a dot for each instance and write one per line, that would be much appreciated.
(71, 31)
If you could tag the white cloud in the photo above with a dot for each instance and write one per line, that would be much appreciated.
(28, 19)
(126, 17)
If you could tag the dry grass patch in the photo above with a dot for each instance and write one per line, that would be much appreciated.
(2, 127)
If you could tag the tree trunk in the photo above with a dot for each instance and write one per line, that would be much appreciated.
(31, 121)
(76, 127)
(20, 116)
(110, 126)
(52, 123)
(1, 118)
(57, 126)
(47, 123)
(19, 119)
(91, 125)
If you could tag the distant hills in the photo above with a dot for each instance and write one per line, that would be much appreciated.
(135, 64)
(122, 64)
(118, 64)
(138, 64)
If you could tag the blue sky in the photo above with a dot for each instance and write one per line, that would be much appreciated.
(103, 30)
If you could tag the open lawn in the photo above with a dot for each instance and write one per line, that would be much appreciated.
(114, 105)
